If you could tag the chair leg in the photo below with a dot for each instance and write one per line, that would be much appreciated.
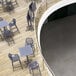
(30, 70)
(7, 40)
(1, 37)
(17, 29)
(21, 64)
(39, 71)
(16, 2)
(13, 66)
(32, 73)
(11, 29)
(13, 40)
(8, 43)
(33, 51)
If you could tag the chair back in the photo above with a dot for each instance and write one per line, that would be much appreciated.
(29, 41)
(10, 56)
(14, 21)
(14, 57)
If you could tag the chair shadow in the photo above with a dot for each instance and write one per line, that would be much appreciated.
(30, 28)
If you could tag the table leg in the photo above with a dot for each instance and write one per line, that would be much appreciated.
(27, 60)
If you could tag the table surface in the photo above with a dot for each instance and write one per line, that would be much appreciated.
(26, 51)
(3, 23)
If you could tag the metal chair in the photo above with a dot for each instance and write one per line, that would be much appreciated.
(12, 25)
(29, 41)
(14, 58)
(8, 36)
(32, 66)
(9, 6)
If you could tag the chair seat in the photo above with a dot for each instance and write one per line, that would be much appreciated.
(11, 24)
(33, 65)
(15, 57)
(8, 33)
